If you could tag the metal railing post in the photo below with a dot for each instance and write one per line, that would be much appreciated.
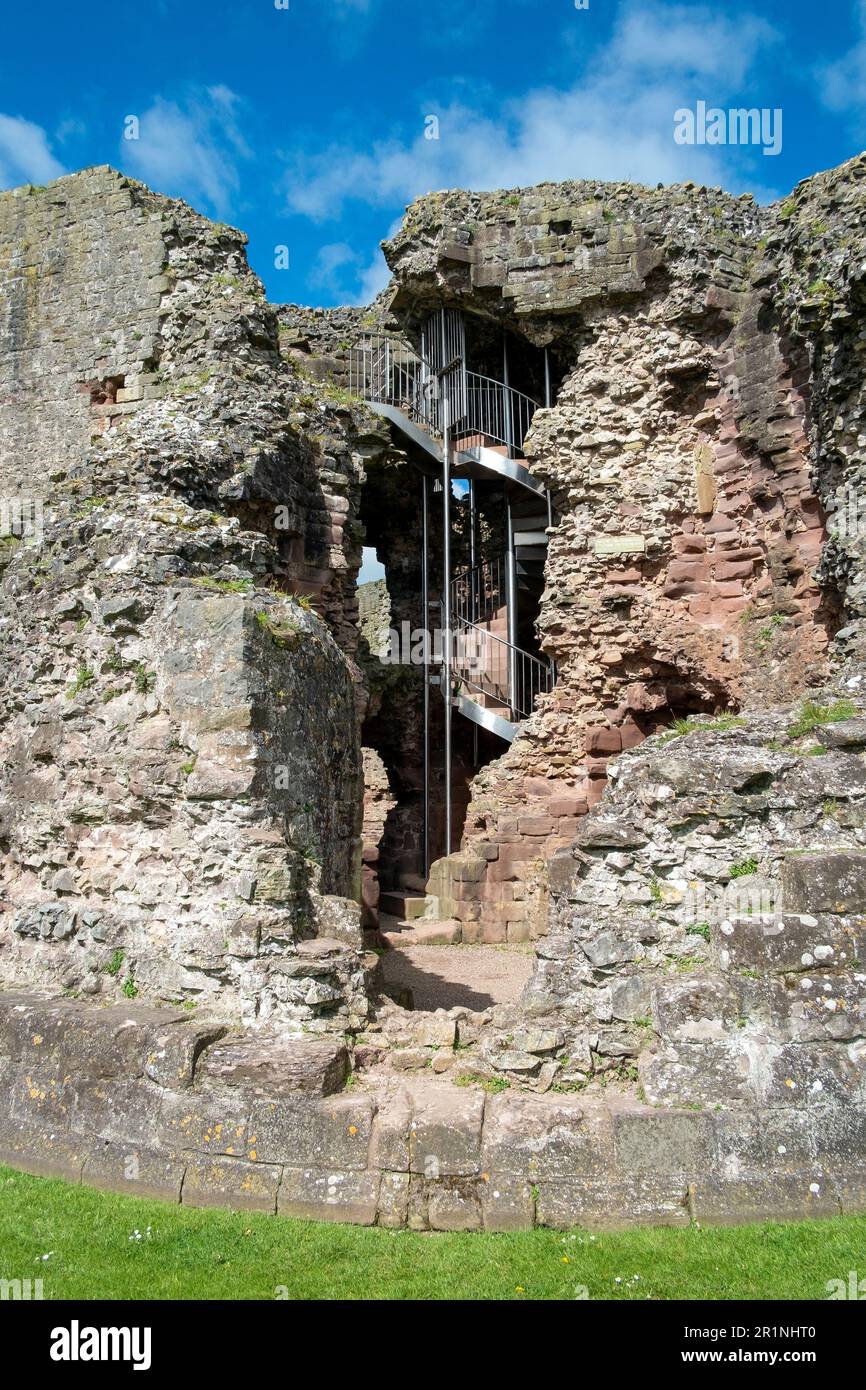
(425, 622)
(506, 401)
(446, 596)
(511, 610)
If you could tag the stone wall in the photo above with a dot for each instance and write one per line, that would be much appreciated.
(187, 680)
(181, 768)
(707, 924)
(706, 425)
(150, 1103)
(319, 341)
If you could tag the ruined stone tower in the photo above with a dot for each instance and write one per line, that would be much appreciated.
(647, 762)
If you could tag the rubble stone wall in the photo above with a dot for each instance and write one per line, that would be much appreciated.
(181, 767)
(707, 424)
(150, 1103)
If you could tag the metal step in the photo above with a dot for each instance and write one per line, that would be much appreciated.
(483, 462)
(486, 718)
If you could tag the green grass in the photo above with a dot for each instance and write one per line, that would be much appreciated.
(83, 678)
(114, 965)
(680, 727)
(744, 868)
(810, 716)
(185, 1253)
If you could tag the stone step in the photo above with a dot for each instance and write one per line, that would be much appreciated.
(448, 933)
(405, 906)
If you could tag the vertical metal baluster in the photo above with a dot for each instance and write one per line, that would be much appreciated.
(425, 625)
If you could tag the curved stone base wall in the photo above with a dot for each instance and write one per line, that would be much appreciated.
(154, 1103)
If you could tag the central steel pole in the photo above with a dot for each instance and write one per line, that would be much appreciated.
(474, 589)
(425, 627)
(446, 594)
(548, 401)
(511, 602)
(506, 401)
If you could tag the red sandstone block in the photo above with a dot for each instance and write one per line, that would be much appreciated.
(536, 825)
(490, 891)
(731, 589)
(517, 931)
(471, 932)
(602, 739)
(630, 733)
(537, 786)
(568, 806)
(718, 526)
(465, 892)
(741, 570)
(734, 554)
(514, 912)
(623, 577)
(681, 588)
(739, 502)
(511, 861)
(492, 933)
(685, 569)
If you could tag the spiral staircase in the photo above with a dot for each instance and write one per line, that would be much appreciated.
(439, 407)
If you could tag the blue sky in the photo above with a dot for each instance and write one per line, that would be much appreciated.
(305, 125)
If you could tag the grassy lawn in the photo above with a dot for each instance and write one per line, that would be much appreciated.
(94, 1253)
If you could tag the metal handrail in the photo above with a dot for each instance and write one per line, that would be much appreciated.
(387, 371)
(479, 594)
(495, 411)
(495, 667)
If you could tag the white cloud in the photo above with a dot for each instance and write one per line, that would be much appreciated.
(690, 40)
(70, 129)
(343, 273)
(842, 84)
(374, 278)
(25, 155)
(616, 123)
(190, 149)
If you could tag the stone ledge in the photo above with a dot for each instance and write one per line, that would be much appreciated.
(430, 1156)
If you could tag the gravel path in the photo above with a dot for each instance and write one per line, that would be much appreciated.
(475, 977)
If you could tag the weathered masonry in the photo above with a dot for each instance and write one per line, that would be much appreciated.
(608, 438)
